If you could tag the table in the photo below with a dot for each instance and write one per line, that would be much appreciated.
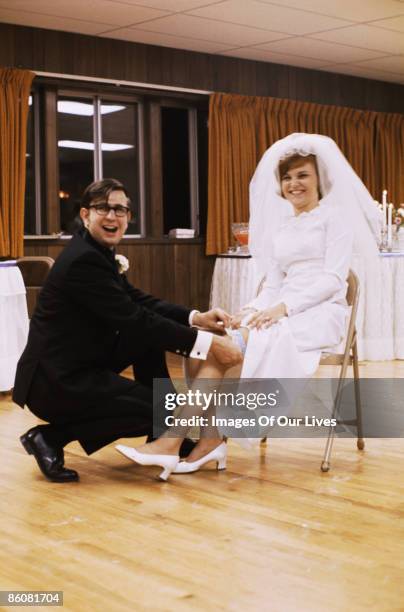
(235, 282)
(13, 321)
(380, 319)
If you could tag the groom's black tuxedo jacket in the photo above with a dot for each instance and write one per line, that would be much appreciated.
(86, 310)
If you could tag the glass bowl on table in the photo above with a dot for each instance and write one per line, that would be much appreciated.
(240, 233)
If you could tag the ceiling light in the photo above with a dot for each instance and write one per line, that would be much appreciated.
(69, 107)
(89, 146)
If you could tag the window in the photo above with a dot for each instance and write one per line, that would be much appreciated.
(29, 219)
(96, 139)
(155, 146)
(120, 152)
(75, 141)
(176, 168)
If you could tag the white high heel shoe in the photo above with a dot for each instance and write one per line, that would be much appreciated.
(219, 454)
(168, 462)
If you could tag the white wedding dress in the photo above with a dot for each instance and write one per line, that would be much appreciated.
(307, 270)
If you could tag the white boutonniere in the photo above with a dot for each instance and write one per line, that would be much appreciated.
(123, 263)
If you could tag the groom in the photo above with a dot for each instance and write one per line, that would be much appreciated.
(90, 323)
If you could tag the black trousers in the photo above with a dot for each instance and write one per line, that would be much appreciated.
(98, 423)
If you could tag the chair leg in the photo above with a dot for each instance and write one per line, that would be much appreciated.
(360, 441)
(325, 464)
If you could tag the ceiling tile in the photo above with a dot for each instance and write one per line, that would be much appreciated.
(165, 40)
(395, 23)
(262, 55)
(173, 6)
(63, 24)
(358, 10)
(367, 37)
(268, 16)
(308, 33)
(331, 52)
(393, 63)
(208, 29)
(103, 11)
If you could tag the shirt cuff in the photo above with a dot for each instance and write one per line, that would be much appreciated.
(191, 316)
(202, 345)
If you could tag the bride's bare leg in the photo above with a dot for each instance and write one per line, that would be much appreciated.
(191, 368)
(209, 435)
(169, 443)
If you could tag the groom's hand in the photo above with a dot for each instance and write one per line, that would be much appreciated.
(225, 351)
(214, 320)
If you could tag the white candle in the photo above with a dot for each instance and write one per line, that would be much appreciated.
(384, 204)
(390, 226)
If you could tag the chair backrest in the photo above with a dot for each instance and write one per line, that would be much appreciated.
(352, 297)
(352, 294)
(34, 270)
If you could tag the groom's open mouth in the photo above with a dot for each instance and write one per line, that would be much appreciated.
(110, 229)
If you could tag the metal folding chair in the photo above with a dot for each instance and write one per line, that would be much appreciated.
(34, 270)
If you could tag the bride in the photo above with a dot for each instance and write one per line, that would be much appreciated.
(308, 212)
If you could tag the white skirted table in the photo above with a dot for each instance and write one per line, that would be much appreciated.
(235, 282)
(13, 322)
(380, 319)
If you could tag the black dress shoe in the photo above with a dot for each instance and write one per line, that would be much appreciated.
(186, 447)
(50, 459)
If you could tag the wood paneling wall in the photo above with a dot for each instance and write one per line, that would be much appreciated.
(180, 272)
(177, 271)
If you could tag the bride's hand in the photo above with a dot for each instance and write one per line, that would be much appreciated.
(267, 317)
(235, 320)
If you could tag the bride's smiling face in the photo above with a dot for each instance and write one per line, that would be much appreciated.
(300, 186)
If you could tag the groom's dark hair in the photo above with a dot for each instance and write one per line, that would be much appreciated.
(101, 190)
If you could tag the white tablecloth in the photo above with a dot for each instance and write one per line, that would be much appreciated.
(380, 320)
(13, 322)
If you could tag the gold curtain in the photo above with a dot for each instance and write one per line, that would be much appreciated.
(390, 156)
(241, 128)
(14, 93)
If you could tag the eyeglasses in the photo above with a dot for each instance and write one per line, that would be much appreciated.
(103, 209)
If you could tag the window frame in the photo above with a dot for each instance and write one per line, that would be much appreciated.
(149, 141)
(192, 157)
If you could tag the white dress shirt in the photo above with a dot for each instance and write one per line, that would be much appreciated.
(203, 341)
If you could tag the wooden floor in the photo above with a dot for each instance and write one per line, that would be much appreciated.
(270, 533)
